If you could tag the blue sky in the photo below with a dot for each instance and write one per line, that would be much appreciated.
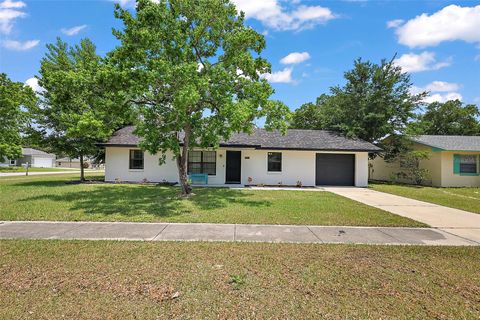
(309, 43)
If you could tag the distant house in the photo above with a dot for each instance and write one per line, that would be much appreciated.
(306, 157)
(454, 161)
(35, 158)
(68, 162)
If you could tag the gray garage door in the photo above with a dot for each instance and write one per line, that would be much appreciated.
(335, 169)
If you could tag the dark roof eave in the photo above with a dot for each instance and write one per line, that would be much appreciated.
(257, 147)
(116, 145)
(316, 149)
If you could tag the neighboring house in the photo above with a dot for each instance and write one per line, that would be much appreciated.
(8, 163)
(35, 158)
(454, 161)
(69, 162)
(307, 157)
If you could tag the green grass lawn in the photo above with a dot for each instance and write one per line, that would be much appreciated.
(23, 169)
(461, 198)
(50, 198)
(140, 280)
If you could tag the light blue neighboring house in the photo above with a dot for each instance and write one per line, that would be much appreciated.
(35, 158)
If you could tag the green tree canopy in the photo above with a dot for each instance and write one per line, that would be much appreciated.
(192, 71)
(448, 118)
(16, 100)
(77, 110)
(310, 115)
(375, 101)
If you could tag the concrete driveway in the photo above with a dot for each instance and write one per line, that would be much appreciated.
(458, 222)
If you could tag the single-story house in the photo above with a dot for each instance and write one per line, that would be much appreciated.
(35, 158)
(68, 162)
(454, 161)
(306, 157)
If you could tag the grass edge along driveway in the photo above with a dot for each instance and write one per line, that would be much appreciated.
(467, 199)
(51, 198)
(56, 279)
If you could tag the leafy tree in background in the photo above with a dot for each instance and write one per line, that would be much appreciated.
(192, 70)
(16, 100)
(375, 102)
(310, 115)
(77, 110)
(448, 118)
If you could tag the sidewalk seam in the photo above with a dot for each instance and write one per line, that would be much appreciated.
(315, 235)
(456, 235)
(155, 238)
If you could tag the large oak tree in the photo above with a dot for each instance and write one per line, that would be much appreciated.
(192, 70)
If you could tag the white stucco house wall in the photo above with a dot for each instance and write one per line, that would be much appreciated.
(306, 157)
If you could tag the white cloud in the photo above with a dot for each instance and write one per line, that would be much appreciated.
(274, 16)
(477, 57)
(20, 46)
(411, 62)
(124, 3)
(439, 91)
(395, 23)
(73, 30)
(442, 86)
(8, 4)
(295, 57)
(129, 3)
(33, 83)
(282, 76)
(8, 17)
(443, 97)
(451, 23)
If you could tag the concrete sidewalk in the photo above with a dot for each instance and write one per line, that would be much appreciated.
(228, 232)
(458, 222)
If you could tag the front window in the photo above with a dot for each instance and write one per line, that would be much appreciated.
(202, 162)
(13, 162)
(274, 161)
(136, 159)
(468, 163)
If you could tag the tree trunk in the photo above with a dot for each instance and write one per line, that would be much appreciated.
(182, 174)
(182, 160)
(82, 172)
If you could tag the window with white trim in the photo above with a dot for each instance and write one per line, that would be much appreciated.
(202, 162)
(274, 162)
(136, 160)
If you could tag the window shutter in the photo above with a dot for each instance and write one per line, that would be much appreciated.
(456, 163)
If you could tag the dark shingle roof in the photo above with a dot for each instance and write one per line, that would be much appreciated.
(295, 139)
(35, 152)
(450, 143)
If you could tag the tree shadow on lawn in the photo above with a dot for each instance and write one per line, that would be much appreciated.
(137, 200)
(56, 182)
